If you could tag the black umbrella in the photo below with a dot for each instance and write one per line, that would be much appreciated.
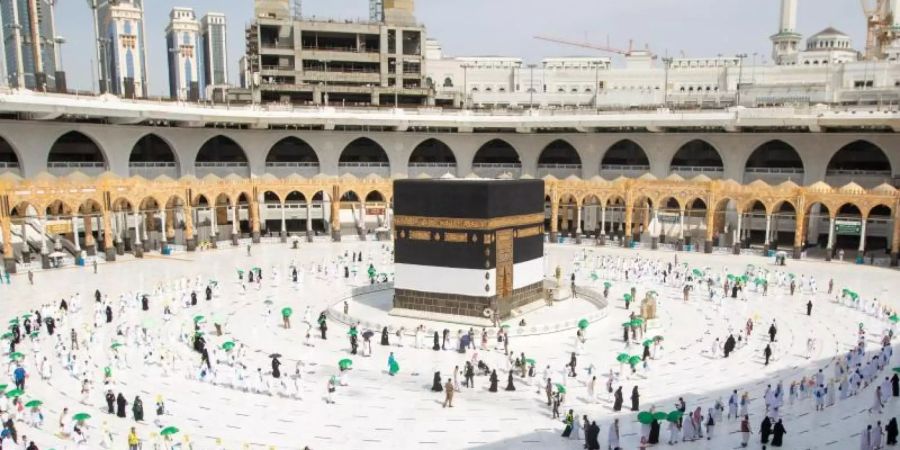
(275, 355)
(368, 334)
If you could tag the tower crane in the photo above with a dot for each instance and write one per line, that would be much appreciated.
(879, 19)
(603, 48)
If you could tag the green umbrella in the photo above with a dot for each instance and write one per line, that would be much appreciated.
(167, 431)
(698, 272)
(628, 297)
(107, 371)
(560, 388)
(14, 393)
(34, 404)
(286, 312)
(896, 369)
(658, 338)
(345, 363)
(115, 345)
(14, 356)
(352, 332)
(7, 335)
(622, 358)
(730, 277)
(198, 319)
(228, 345)
(648, 342)
(35, 334)
(583, 323)
(894, 318)
(530, 361)
(506, 325)
(659, 415)
(3, 387)
(81, 416)
(674, 416)
(645, 417)
(26, 315)
(627, 324)
(14, 321)
(637, 321)
(634, 360)
(607, 284)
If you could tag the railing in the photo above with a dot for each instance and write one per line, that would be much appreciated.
(220, 164)
(497, 165)
(364, 164)
(698, 169)
(433, 164)
(339, 70)
(292, 164)
(76, 165)
(9, 165)
(560, 166)
(880, 173)
(282, 45)
(340, 49)
(623, 168)
(290, 68)
(775, 170)
(151, 164)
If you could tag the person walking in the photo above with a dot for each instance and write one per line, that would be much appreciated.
(809, 308)
(134, 442)
(778, 434)
(767, 353)
(448, 392)
(745, 431)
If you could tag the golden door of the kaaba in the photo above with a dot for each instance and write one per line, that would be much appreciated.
(504, 244)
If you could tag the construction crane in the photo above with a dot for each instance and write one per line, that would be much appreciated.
(603, 48)
(879, 19)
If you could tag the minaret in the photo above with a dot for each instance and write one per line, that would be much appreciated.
(786, 43)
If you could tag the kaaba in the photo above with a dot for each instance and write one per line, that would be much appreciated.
(468, 247)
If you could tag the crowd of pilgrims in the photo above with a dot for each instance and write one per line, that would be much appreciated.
(83, 349)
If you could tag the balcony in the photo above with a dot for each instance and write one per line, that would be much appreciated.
(613, 171)
(433, 170)
(285, 169)
(773, 175)
(63, 168)
(363, 169)
(221, 169)
(865, 178)
(10, 167)
(151, 170)
(559, 171)
(494, 170)
(689, 172)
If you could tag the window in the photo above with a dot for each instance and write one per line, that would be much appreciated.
(448, 82)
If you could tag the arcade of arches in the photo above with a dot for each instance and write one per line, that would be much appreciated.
(112, 215)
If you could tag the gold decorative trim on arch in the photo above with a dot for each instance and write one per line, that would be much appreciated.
(452, 223)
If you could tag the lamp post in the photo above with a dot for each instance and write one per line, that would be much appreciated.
(667, 62)
(741, 57)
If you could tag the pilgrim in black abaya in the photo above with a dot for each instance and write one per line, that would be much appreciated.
(494, 381)
(778, 434)
(121, 404)
(509, 383)
(437, 342)
(384, 336)
(765, 429)
(635, 399)
(436, 386)
(892, 431)
(617, 404)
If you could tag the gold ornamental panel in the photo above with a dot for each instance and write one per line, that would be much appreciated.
(452, 223)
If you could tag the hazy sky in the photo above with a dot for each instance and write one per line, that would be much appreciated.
(506, 27)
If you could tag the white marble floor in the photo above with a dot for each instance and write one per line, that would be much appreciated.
(379, 411)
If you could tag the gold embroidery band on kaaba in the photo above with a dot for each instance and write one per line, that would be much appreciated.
(452, 223)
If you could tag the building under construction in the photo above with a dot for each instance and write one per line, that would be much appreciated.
(298, 60)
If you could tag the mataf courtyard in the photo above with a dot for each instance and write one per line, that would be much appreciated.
(140, 341)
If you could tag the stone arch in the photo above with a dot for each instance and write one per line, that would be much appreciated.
(695, 157)
(75, 151)
(432, 157)
(151, 156)
(220, 155)
(859, 156)
(292, 155)
(497, 151)
(363, 156)
(774, 157)
(559, 152)
(625, 155)
(9, 157)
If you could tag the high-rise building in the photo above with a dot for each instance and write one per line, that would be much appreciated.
(122, 47)
(213, 34)
(300, 60)
(30, 45)
(186, 74)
